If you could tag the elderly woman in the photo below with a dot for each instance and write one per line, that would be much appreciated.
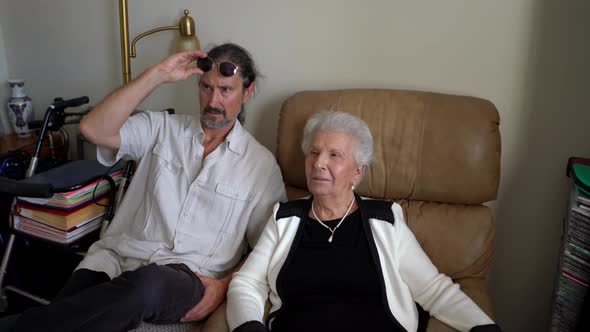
(338, 262)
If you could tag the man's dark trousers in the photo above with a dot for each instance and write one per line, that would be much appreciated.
(90, 301)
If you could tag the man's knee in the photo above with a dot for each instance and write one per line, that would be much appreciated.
(148, 284)
(141, 286)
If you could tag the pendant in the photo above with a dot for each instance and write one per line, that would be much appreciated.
(330, 239)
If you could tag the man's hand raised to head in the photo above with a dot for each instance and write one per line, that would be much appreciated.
(102, 125)
(176, 67)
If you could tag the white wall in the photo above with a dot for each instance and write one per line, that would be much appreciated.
(529, 57)
(5, 127)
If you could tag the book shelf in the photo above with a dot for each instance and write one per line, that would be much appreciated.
(570, 298)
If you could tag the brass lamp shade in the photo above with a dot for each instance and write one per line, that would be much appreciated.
(187, 40)
(186, 43)
(187, 25)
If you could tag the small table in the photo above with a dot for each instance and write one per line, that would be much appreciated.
(13, 142)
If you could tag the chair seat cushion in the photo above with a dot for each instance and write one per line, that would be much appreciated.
(176, 327)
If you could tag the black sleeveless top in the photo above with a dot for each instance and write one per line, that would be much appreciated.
(332, 286)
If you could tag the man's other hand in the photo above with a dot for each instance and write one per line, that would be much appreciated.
(215, 291)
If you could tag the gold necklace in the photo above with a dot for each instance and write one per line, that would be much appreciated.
(341, 220)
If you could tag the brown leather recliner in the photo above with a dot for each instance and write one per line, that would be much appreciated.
(437, 154)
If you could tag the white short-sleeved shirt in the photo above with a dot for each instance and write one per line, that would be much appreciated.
(180, 208)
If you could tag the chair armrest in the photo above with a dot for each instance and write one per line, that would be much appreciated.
(217, 322)
(476, 289)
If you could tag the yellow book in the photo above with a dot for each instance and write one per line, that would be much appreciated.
(61, 219)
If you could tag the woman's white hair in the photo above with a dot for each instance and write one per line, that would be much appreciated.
(331, 121)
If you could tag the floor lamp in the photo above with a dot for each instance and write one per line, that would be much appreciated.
(187, 39)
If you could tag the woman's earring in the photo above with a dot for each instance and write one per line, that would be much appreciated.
(352, 186)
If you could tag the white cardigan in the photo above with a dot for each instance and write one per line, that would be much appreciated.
(408, 274)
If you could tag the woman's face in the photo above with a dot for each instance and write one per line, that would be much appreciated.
(330, 166)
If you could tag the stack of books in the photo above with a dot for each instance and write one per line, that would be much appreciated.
(571, 290)
(66, 217)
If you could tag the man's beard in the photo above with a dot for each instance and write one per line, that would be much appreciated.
(210, 121)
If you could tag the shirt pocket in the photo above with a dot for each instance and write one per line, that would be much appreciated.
(165, 159)
(218, 229)
(240, 207)
(219, 200)
(164, 196)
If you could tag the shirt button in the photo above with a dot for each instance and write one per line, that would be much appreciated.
(186, 214)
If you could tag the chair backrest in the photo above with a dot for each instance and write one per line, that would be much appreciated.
(437, 154)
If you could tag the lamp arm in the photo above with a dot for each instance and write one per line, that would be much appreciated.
(147, 33)
(186, 27)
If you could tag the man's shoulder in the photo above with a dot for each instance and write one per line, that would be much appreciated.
(172, 125)
(163, 116)
(180, 121)
(255, 149)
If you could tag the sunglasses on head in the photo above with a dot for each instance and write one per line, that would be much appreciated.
(225, 68)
